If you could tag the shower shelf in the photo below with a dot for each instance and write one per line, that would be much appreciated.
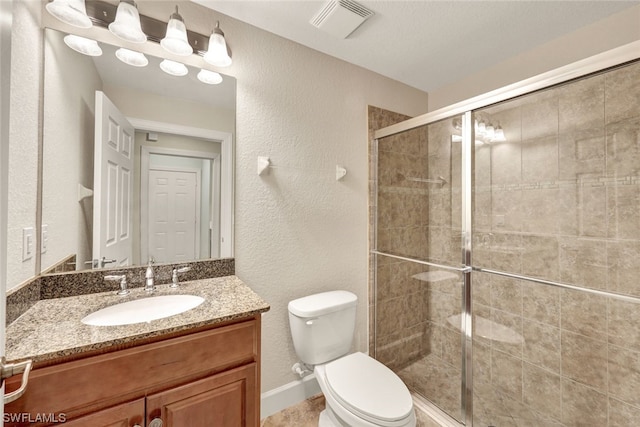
(435, 276)
(440, 180)
(489, 329)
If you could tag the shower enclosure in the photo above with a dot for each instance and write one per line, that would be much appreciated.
(507, 249)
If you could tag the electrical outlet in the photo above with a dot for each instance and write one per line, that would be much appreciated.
(27, 243)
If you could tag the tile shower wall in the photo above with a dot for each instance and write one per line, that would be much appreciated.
(419, 217)
(402, 229)
(560, 200)
(378, 118)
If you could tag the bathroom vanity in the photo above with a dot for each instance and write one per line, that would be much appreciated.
(198, 368)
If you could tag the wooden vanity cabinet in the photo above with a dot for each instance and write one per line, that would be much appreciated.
(206, 378)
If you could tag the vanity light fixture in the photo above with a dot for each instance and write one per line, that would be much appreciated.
(485, 132)
(72, 12)
(209, 77)
(127, 23)
(175, 40)
(83, 45)
(124, 21)
(130, 57)
(217, 54)
(174, 68)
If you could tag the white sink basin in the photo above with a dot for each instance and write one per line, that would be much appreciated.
(143, 310)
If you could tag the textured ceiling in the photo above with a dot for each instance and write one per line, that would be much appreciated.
(426, 44)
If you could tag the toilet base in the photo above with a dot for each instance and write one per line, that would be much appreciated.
(326, 421)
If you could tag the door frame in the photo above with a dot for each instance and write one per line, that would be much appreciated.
(222, 166)
(6, 25)
(144, 249)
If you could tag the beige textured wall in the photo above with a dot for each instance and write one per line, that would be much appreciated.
(609, 33)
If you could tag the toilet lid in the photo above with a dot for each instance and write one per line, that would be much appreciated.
(368, 388)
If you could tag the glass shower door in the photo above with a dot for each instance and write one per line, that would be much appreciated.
(419, 264)
(556, 256)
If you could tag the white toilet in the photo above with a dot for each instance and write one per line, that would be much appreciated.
(359, 391)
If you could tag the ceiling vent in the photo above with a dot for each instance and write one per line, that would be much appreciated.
(341, 18)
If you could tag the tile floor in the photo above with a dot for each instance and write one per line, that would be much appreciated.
(306, 414)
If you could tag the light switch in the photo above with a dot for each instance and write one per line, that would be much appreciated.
(44, 238)
(27, 243)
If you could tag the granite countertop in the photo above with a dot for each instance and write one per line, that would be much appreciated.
(52, 328)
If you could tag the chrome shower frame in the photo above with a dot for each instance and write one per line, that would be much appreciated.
(597, 63)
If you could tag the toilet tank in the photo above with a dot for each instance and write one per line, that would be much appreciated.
(322, 325)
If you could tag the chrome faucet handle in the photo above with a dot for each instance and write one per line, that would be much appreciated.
(149, 277)
(104, 261)
(123, 282)
(174, 276)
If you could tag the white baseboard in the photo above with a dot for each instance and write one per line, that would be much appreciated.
(276, 400)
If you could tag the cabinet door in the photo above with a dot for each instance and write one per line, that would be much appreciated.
(124, 415)
(223, 400)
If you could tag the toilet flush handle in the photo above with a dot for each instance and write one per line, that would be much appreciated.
(310, 321)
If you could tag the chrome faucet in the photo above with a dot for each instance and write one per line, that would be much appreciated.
(174, 276)
(149, 278)
(123, 283)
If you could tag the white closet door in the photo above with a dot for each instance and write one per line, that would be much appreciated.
(174, 215)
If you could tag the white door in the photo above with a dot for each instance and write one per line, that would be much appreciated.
(174, 215)
(112, 186)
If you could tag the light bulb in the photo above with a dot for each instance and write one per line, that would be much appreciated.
(489, 131)
(209, 77)
(83, 45)
(175, 40)
(482, 128)
(174, 68)
(217, 54)
(136, 59)
(72, 12)
(127, 23)
(499, 135)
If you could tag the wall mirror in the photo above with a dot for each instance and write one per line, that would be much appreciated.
(175, 201)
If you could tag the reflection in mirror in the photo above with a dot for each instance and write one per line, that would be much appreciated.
(173, 203)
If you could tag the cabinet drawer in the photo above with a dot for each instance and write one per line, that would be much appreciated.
(124, 415)
(86, 385)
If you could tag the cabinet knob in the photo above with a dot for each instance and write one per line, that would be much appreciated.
(156, 422)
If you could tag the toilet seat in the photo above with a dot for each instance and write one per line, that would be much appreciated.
(368, 389)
